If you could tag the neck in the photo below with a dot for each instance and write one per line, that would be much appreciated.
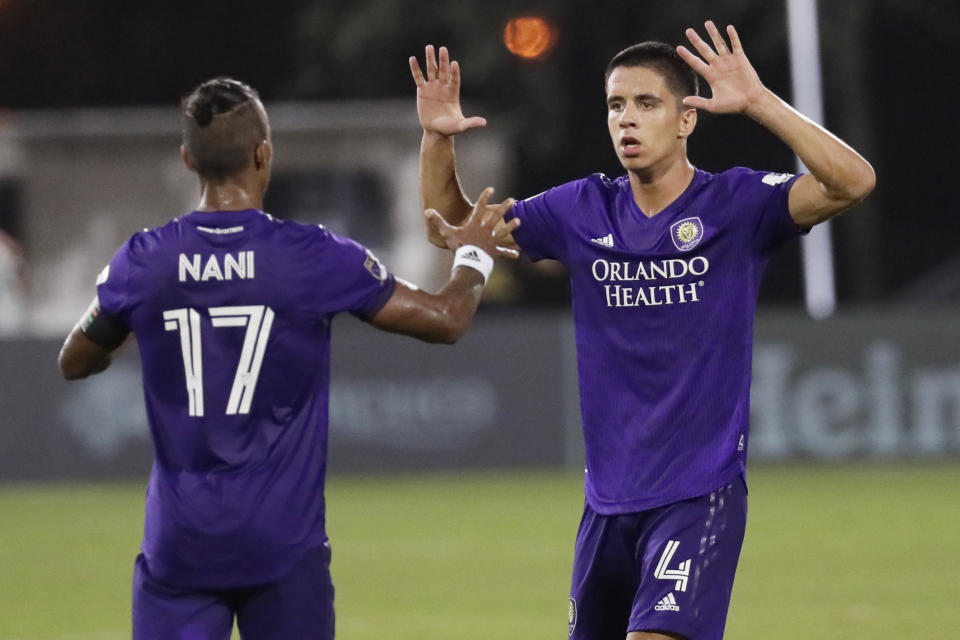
(656, 187)
(231, 194)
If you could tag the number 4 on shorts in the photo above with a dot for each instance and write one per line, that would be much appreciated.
(680, 575)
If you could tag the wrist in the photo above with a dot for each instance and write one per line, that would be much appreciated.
(431, 136)
(474, 257)
(763, 105)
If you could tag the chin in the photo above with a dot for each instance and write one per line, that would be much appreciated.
(634, 164)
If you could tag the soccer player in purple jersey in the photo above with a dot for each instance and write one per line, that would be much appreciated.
(665, 263)
(231, 310)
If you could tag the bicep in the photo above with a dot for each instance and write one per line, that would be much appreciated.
(810, 202)
(80, 356)
(88, 347)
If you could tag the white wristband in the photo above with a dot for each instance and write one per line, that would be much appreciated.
(476, 258)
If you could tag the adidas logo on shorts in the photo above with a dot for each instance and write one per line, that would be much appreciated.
(667, 604)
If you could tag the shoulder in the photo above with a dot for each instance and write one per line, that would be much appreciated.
(320, 242)
(566, 196)
(147, 242)
(596, 184)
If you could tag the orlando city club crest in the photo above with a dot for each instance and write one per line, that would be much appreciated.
(572, 616)
(686, 233)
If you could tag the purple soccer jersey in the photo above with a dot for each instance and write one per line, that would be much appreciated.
(232, 312)
(663, 311)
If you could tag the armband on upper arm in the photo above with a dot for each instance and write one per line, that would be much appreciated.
(105, 330)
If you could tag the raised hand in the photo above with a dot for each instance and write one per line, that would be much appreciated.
(484, 227)
(438, 95)
(734, 84)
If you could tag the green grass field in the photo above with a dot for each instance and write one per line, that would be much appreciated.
(831, 552)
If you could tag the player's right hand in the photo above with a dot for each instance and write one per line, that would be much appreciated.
(438, 95)
(484, 227)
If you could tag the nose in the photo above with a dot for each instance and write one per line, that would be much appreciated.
(629, 117)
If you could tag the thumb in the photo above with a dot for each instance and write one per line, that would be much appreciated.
(435, 222)
(471, 123)
(696, 102)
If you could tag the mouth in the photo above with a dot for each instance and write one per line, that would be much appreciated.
(630, 146)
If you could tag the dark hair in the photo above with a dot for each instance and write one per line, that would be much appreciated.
(222, 123)
(662, 58)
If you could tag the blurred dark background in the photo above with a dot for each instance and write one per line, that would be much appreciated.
(888, 76)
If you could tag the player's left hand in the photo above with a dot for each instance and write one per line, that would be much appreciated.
(734, 84)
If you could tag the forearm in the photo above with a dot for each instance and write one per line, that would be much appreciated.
(843, 173)
(439, 185)
(441, 317)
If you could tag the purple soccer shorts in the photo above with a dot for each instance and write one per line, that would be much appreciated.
(298, 606)
(667, 570)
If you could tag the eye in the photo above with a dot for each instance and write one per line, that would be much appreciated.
(615, 106)
(647, 104)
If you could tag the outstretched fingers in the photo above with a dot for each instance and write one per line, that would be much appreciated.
(702, 47)
(431, 62)
(493, 215)
(443, 72)
(695, 63)
(479, 213)
(455, 75)
(504, 229)
(734, 40)
(415, 71)
(718, 42)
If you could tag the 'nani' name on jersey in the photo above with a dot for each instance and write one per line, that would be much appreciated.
(618, 295)
(238, 266)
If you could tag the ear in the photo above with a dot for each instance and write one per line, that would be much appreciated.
(262, 155)
(186, 158)
(688, 122)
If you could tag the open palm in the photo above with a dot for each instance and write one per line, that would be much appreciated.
(438, 95)
(734, 83)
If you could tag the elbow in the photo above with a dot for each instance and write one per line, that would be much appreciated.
(450, 333)
(454, 334)
(864, 182)
(71, 370)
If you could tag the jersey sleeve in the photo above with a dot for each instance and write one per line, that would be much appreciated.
(773, 225)
(351, 277)
(116, 291)
(544, 220)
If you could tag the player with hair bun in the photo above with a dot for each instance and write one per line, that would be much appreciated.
(232, 309)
